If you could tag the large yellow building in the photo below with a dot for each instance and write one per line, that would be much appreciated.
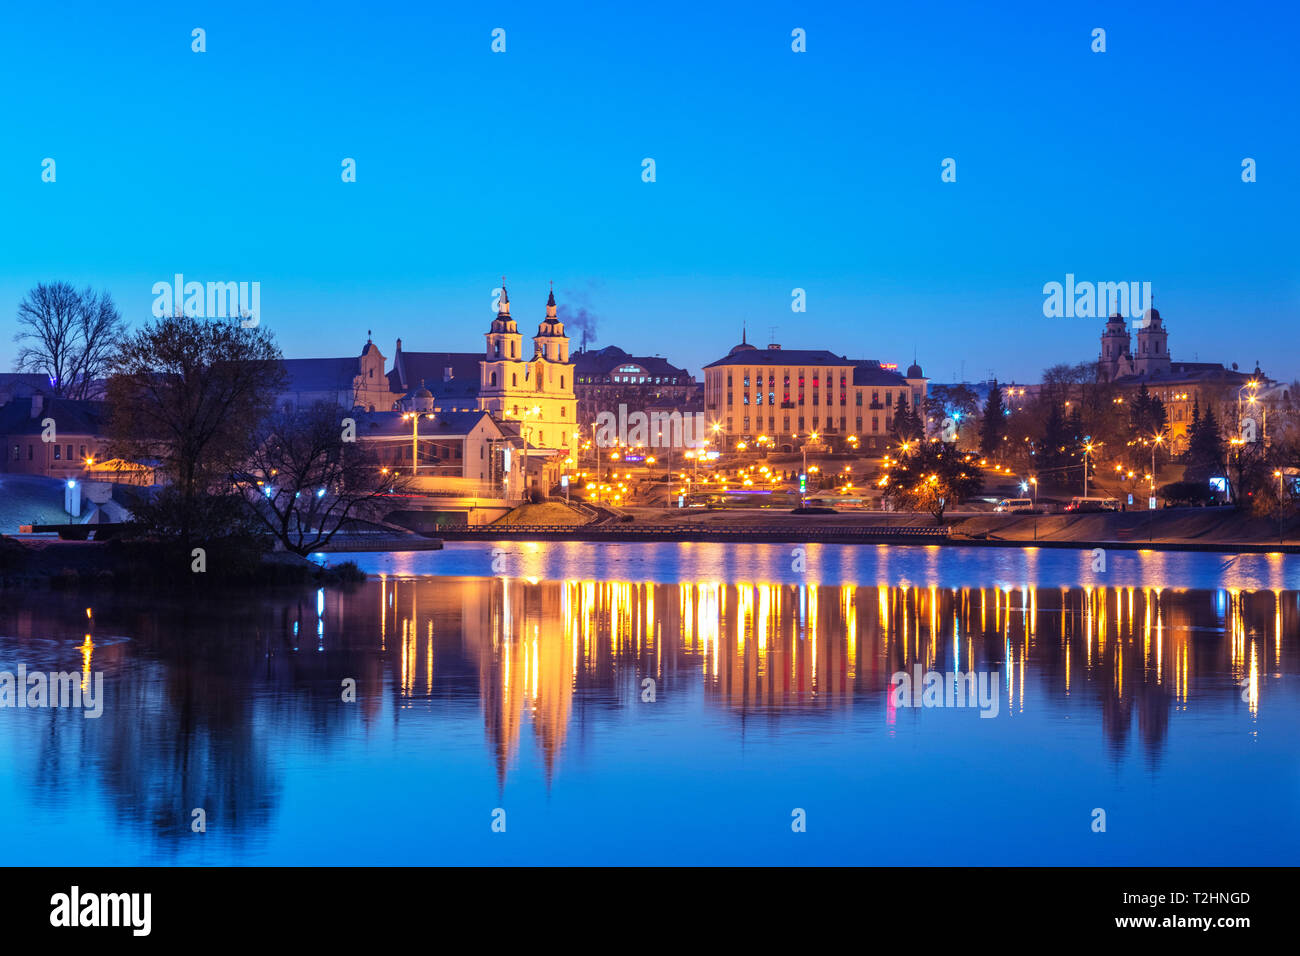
(788, 394)
(537, 392)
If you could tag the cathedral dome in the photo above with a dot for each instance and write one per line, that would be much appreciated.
(743, 347)
(914, 371)
(422, 399)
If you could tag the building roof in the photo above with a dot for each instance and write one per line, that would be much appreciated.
(865, 371)
(37, 381)
(443, 425)
(770, 356)
(871, 372)
(71, 417)
(320, 374)
(603, 361)
(409, 368)
(1186, 373)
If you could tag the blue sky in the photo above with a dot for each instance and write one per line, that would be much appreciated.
(775, 170)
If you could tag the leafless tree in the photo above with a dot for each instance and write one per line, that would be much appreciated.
(191, 394)
(307, 481)
(67, 335)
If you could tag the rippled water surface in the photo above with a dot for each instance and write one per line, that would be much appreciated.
(514, 682)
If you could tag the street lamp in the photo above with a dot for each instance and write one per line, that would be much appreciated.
(415, 439)
(1157, 438)
(1253, 386)
(1278, 474)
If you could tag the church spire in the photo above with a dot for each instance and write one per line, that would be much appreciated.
(503, 307)
(550, 303)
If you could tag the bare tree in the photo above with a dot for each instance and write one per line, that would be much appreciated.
(67, 335)
(307, 481)
(191, 394)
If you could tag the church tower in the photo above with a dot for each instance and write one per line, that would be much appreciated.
(1115, 346)
(1152, 356)
(504, 373)
(536, 393)
(555, 405)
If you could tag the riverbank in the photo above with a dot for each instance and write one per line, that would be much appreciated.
(1220, 530)
(36, 563)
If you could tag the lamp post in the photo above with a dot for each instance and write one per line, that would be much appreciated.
(1278, 473)
(1155, 443)
(803, 492)
(1034, 482)
(1253, 386)
(1087, 450)
(415, 440)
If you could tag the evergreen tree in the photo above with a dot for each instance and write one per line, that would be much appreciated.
(1205, 454)
(1076, 425)
(1056, 442)
(994, 425)
(907, 424)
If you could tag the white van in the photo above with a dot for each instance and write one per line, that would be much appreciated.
(1014, 505)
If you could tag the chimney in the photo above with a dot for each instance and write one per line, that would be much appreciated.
(773, 347)
(38, 404)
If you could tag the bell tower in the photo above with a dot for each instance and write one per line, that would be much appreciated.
(550, 342)
(1115, 344)
(503, 373)
(1152, 356)
(503, 339)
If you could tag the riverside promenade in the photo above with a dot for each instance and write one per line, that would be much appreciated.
(1177, 529)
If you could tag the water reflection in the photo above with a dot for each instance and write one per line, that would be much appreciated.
(216, 704)
(775, 647)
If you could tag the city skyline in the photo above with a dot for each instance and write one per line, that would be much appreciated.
(775, 171)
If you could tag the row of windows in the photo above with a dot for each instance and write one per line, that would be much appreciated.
(564, 412)
(15, 453)
(550, 350)
(514, 380)
(757, 398)
(769, 424)
(785, 376)
(630, 379)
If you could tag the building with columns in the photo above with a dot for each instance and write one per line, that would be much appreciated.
(788, 393)
(536, 392)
